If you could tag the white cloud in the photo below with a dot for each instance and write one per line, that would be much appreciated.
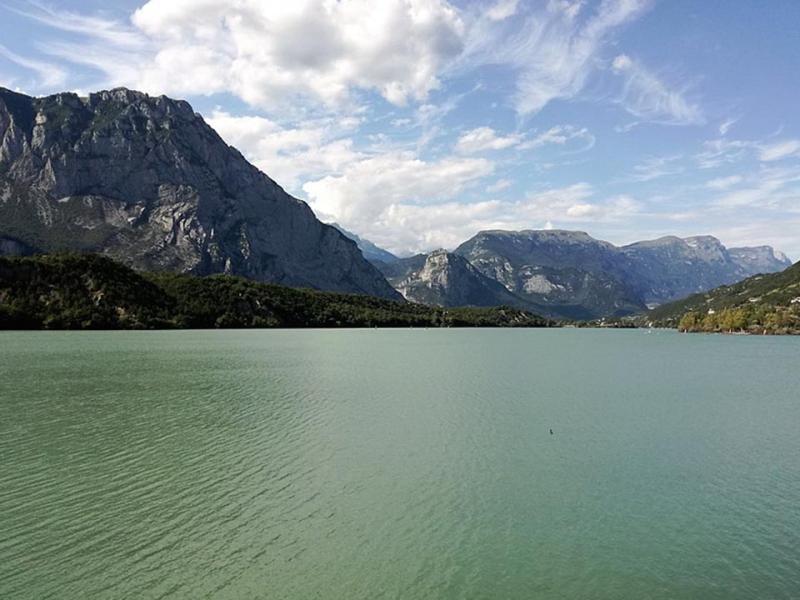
(723, 151)
(378, 200)
(561, 135)
(552, 50)
(288, 154)
(87, 25)
(502, 9)
(726, 125)
(482, 139)
(656, 167)
(723, 183)
(421, 228)
(770, 188)
(778, 150)
(269, 52)
(499, 186)
(48, 74)
(366, 189)
(647, 97)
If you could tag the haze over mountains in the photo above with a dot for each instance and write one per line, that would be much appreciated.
(146, 181)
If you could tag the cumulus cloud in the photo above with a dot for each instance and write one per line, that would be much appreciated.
(404, 223)
(365, 189)
(289, 155)
(414, 228)
(270, 51)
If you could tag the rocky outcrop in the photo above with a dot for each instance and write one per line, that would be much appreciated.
(669, 268)
(571, 273)
(577, 276)
(759, 259)
(146, 181)
(442, 278)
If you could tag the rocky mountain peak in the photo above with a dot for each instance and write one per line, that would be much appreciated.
(145, 180)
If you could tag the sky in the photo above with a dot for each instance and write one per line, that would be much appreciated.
(418, 123)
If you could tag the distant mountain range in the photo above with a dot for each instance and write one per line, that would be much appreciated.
(146, 181)
(570, 274)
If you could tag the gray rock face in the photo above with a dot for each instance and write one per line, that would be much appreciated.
(759, 259)
(670, 268)
(146, 181)
(577, 276)
(445, 279)
(571, 273)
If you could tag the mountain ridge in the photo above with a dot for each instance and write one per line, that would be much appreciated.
(570, 274)
(146, 181)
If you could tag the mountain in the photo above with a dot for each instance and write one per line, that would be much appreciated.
(373, 253)
(146, 181)
(442, 278)
(569, 272)
(573, 275)
(759, 259)
(71, 291)
(670, 267)
(761, 304)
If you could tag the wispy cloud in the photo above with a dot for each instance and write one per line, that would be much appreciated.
(656, 167)
(724, 183)
(484, 138)
(778, 150)
(109, 30)
(647, 97)
(48, 74)
(726, 125)
(552, 50)
(724, 151)
(499, 186)
(562, 135)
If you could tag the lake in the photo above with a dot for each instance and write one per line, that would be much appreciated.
(411, 464)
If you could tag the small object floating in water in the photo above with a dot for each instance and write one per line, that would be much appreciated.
(551, 432)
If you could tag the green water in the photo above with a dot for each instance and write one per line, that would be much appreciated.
(399, 464)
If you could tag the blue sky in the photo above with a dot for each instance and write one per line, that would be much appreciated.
(417, 123)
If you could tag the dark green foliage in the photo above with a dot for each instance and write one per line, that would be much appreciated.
(760, 304)
(71, 291)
